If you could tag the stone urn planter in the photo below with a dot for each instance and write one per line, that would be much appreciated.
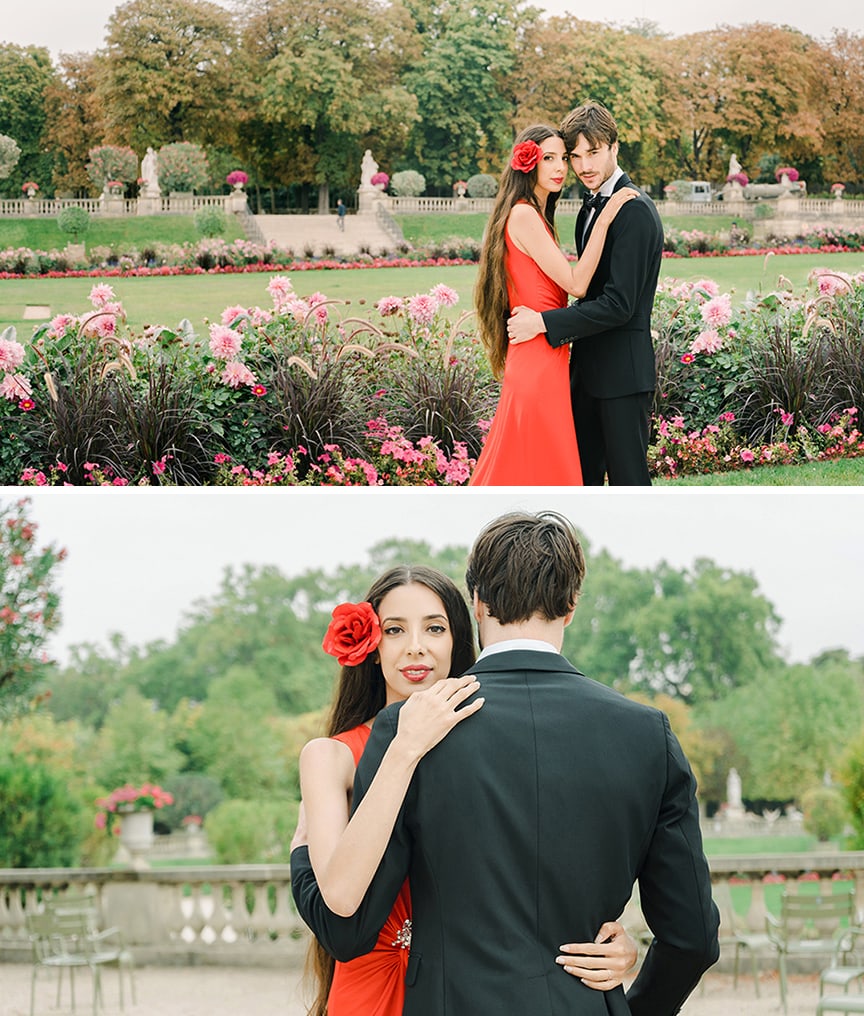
(136, 837)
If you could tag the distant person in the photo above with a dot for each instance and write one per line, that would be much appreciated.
(341, 212)
(612, 366)
(532, 819)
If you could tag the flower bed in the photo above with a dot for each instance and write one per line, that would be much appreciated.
(298, 393)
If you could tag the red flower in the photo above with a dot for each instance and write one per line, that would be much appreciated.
(525, 156)
(26, 405)
(353, 634)
(688, 358)
(259, 390)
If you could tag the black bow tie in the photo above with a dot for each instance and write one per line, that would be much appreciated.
(595, 201)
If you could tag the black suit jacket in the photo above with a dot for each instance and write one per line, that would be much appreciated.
(525, 828)
(614, 354)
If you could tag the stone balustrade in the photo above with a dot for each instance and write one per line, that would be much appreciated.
(116, 205)
(244, 914)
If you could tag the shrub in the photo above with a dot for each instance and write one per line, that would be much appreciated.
(482, 185)
(73, 220)
(194, 794)
(41, 823)
(408, 183)
(111, 162)
(252, 832)
(10, 153)
(824, 812)
(210, 222)
(182, 167)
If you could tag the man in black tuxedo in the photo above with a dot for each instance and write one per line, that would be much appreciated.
(527, 826)
(612, 372)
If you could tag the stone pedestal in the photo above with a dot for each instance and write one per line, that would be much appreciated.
(367, 197)
(149, 204)
(236, 201)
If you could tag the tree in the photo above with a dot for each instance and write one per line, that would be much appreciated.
(74, 119)
(111, 162)
(40, 821)
(29, 607)
(135, 744)
(25, 74)
(170, 73)
(469, 50)
(842, 100)
(791, 725)
(329, 80)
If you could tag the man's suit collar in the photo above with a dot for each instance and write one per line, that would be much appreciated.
(523, 659)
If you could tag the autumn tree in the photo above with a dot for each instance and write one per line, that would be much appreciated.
(25, 74)
(170, 73)
(75, 119)
(29, 607)
(563, 62)
(842, 108)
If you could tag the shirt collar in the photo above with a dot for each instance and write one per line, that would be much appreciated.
(503, 647)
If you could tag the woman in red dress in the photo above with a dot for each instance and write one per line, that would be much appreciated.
(412, 630)
(532, 440)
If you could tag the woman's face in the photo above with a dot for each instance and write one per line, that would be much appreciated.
(416, 641)
(553, 165)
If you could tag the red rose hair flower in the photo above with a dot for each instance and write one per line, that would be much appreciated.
(525, 156)
(353, 634)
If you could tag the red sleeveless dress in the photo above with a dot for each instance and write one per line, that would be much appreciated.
(374, 984)
(532, 440)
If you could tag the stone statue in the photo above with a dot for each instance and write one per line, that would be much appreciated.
(150, 175)
(734, 802)
(368, 168)
(734, 165)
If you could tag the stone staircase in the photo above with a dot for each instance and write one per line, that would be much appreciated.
(319, 235)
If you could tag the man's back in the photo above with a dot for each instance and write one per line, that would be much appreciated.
(526, 828)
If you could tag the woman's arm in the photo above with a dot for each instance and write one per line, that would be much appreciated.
(603, 963)
(528, 231)
(345, 855)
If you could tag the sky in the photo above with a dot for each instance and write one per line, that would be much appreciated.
(139, 558)
(69, 26)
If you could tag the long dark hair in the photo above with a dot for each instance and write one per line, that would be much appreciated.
(490, 292)
(361, 694)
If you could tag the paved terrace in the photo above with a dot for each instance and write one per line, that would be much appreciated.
(255, 991)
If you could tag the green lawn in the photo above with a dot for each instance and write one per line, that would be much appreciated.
(128, 232)
(842, 473)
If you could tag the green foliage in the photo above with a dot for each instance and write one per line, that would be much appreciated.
(135, 744)
(408, 183)
(111, 162)
(194, 794)
(824, 812)
(41, 823)
(75, 220)
(482, 185)
(252, 831)
(182, 167)
(25, 74)
(210, 222)
(29, 606)
(852, 781)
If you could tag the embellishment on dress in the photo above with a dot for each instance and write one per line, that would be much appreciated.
(403, 937)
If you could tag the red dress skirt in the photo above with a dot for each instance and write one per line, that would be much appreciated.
(532, 440)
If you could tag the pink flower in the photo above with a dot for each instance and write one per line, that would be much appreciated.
(708, 286)
(446, 296)
(688, 358)
(316, 302)
(747, 455)
(280, 289)
(259, 390)
(225, 342)
(159, 467)
(236, 374)
(220, 458)
(389, 305)
(706, 342)
(727, 417)
(11, 354)
(717, 312)
(422, 308)
(59, 324)
(787, 419)
(25, 405)
(101, 294)
(230, 315)
(15, 386)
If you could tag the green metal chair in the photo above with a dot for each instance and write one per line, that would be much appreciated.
(809, 925)
(65, 937)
